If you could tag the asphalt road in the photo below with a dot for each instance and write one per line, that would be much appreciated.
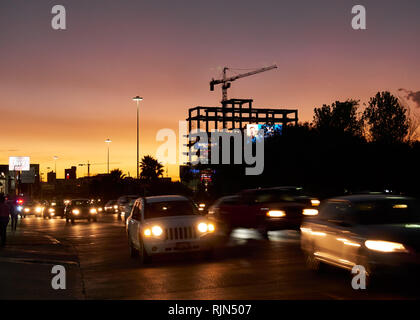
(99, 267)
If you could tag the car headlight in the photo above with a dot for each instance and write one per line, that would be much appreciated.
(19, 208)
(385, 246)
(202, 227)
(276, 213)
(115, 207)
(75, 211)
(51, 210)
(92, 211)
(27, 210)
(100, 209)
(310, 212)
(38, 209)
(210, 227)
(315, 202)
(157, 231)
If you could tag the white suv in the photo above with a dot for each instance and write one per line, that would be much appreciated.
(167, 224)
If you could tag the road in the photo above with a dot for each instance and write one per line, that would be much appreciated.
(99, 267)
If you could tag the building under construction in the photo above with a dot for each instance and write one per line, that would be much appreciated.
(233, 114)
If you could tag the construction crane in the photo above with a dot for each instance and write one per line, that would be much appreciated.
(88, 164)
(226, 82)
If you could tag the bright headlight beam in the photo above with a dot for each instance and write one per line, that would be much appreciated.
(157, 231)
(385, 246)
(276, 213)
(310, 212)
(202, 227)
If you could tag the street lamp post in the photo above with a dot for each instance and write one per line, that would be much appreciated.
(137, 99)
(108, 141)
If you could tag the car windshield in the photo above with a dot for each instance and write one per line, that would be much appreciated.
(81, 202)
(169, 209)
(389, 211)
(278, 195)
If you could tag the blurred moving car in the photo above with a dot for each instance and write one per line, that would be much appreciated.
(167, 224)
(97, 203)
(123, 201)
(111, 206)
(28, 207)
(78, 209)
(53, 208)
(264, 209)
(379, 232)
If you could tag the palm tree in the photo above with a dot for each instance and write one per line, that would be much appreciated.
(151, 169)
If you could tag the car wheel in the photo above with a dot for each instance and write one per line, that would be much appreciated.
(144, 257)
(134, 253)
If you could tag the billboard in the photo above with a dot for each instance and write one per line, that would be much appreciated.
(19, 163)
(269, 130)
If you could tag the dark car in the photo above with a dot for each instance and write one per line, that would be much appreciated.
(378, 232)
(53, 208)
(78, 209)
(123, 201)
(264, 209)
(111, 206)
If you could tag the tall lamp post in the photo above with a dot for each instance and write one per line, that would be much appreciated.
(137, 99)
(108, 141)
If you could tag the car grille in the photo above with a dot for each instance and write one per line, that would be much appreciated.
(180, 233)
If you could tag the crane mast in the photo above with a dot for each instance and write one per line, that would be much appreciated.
(226, 82)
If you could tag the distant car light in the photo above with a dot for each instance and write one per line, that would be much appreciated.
(276, 213)
(202, 205)
(315, 202)
(157, 231)
(26, 210)
(147, 232)
(100, 209)
(38, 209)
(115, 207)
(75, 211)
(19, 208)
(385, 246)
(51, 210)
(93, 211)
(310, 212)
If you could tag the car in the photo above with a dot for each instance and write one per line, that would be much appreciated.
(265, 209)
(167, 224)
(122, 201)
(28, 207)
(379, 232)
(111, 206)
(53, 208)
(78, 209)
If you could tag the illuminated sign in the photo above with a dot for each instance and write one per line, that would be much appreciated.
(269, 130)
(19, 163)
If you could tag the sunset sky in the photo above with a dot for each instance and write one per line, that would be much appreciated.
(64, 92)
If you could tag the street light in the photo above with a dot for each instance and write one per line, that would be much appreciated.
(108, 141)
(137, 99)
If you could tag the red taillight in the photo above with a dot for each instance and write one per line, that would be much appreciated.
(19, 201)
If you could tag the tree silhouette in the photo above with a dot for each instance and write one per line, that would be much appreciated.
(386, 119)
(117, 174)
(151, 169)
(339, 118)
